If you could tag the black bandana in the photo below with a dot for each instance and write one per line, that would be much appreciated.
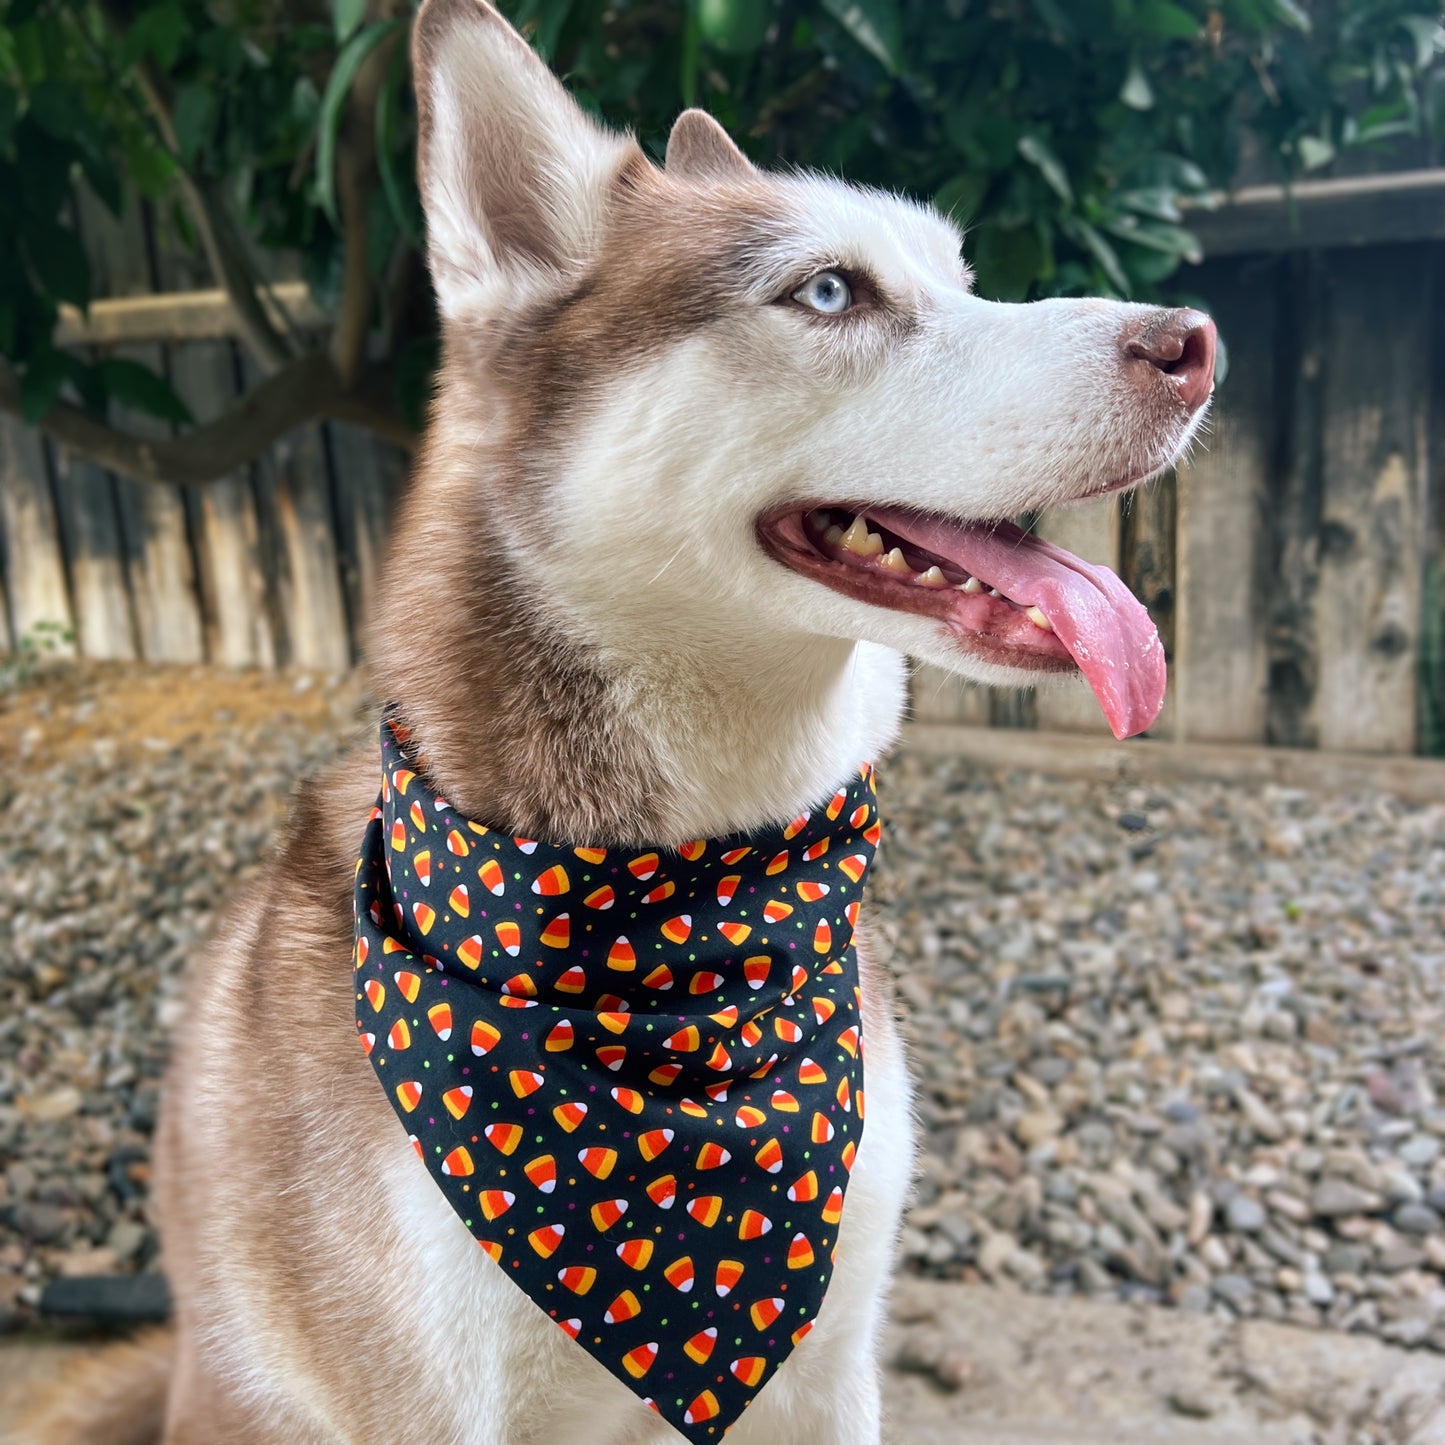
(636, 1076)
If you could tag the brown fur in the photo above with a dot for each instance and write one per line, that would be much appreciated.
(273, 1133)
(699, 147)
(545, 750)
(117, 1396)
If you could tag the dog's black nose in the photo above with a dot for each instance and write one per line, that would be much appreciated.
(1181, 344)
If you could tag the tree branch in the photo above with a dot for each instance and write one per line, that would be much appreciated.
(262, 339)
(306, 389)
(355, 182)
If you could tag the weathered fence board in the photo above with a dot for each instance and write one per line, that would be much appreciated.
(1223, 525)
(238, 626)
(39, 593)
(1293, 504)
(1373, 470)
(940, 697)
(85, 504)
(157, 544)
(367, 476)
(298, 529)
(1148, 521)
(1431, 733)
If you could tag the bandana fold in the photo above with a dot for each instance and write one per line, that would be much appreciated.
(636, 1075)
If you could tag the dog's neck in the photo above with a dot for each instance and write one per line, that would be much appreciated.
(755, 735)
(529, 728)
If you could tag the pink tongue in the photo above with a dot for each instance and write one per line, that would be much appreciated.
(1105, 628)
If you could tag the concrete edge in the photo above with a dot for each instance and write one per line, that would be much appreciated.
(1416, 780)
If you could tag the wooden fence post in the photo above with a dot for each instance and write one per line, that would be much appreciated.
(225, 527)
(1222, 529)
(1376, 407)
(39, 591)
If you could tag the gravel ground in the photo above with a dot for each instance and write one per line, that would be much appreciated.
(1174, 1045)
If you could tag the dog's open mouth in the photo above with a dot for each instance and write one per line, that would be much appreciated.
(1004, 595)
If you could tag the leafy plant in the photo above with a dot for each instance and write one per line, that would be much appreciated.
(43, 640)
(1069, 135)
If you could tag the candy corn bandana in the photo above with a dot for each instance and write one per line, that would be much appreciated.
(636, 1075)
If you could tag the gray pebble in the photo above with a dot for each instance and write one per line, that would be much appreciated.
(1335, 1197)
(1416, 1219)
(1245, 1215)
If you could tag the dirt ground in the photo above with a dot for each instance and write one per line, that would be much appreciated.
(1033, 1371)
(164, 706)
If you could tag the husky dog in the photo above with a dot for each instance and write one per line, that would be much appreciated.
(712, 450)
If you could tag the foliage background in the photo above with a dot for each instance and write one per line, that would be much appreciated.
(1070, 135)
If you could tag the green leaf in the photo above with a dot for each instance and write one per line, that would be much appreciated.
(1290, 14)
(57, 109)
(9, 111)
(141, 389)
(40, 383)
(1314, 151)
(1429, 36)
(1157, 236)
(338, 87)
(1156, 201)
(416, 365)
(996, 138)
(962, 196)
(158, 31)
(397, 184)
(194, 117)
(1146, 268)
(1035, 150)
(151, 168)
(381, 236)
(1137, 93)
(1008, 261)
(346, 15)
(736, 27)
(1055, 17)
(59, 261)
(877, 25)
(542, 21)
(1168, 21)
(1094, 242)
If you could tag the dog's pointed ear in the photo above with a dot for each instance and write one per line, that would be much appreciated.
(514, 175)
(700, 149)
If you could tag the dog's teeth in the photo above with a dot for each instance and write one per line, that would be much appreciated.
(860, 541)
(1038, 619)
(834, 536)
(994, 592)
(973, 587)
(818, 521)
(894, 561)
(932, 578)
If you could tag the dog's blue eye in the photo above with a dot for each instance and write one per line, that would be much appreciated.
(827, 292)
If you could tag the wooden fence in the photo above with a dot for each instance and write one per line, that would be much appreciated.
(266, 567)
(1293, 566)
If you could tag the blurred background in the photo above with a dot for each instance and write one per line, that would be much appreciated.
(216, 333)
(1176, 1004)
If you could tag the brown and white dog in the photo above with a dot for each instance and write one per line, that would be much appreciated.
(712, 449)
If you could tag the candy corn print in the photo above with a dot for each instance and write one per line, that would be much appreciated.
(635, 1074)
